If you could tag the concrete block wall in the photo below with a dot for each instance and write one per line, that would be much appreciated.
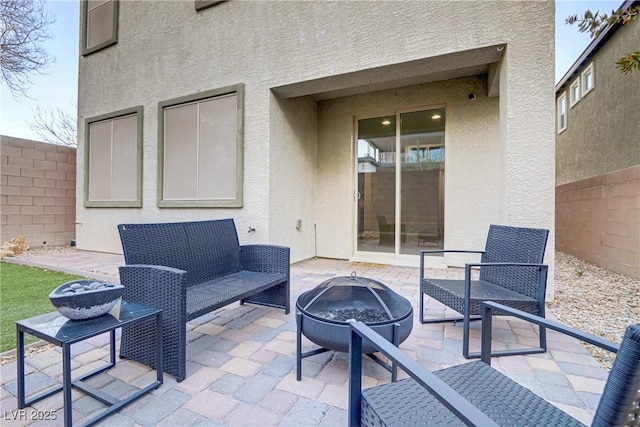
(598, 220)
(38, 192)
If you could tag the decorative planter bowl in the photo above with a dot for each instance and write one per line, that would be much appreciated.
(85, 299)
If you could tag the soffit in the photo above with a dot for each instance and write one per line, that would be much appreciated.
(426, 70)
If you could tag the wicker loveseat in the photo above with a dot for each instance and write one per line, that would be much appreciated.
(189, 269)
(476, 394)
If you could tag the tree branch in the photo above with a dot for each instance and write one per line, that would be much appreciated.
(23, 28)
(54, 126)
(596, 23)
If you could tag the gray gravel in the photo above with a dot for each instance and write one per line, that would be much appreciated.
(595, 300)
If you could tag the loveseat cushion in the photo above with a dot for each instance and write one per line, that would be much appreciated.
(208, 296)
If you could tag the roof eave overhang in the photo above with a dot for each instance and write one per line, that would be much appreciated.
(479, 61)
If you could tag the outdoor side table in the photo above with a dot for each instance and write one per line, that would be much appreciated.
(58, 330)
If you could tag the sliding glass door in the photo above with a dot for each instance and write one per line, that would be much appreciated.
(401, 182)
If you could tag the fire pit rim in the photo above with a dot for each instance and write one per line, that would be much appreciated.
(392, 317)
(345, 322)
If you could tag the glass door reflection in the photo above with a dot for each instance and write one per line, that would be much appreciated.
(400, 196)
(376, 184)
(422, 180)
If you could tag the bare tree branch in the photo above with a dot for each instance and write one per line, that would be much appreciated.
(54, 126)
(23, 28)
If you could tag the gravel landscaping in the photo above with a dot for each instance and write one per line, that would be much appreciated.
(595, 300)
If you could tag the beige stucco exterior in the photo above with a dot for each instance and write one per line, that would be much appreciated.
(310, 69)
(603, 128)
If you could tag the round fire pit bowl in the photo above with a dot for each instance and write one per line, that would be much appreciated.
(323, 313)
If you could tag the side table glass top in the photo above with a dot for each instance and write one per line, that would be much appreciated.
(58, 329)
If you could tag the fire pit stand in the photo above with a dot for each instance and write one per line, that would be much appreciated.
(323, 315)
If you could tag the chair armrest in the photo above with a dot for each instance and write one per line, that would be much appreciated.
(505, 264)
(457, 404)
(441, 251)
(435, 251)
(144, 283)
(265, 258)
(467, 267)
(542, 279)
(487, 311)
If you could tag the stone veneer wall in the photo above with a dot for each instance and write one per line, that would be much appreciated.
(38, 192)
(598, 220)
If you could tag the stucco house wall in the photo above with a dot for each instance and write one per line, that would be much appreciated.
(310, 69)
(603, 127)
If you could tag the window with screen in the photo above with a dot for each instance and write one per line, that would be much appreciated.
(113, 159)
(201, 149)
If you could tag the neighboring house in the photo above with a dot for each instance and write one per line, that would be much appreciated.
(260, 110)
(598, 155)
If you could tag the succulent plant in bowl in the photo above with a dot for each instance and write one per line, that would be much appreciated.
(85, 299)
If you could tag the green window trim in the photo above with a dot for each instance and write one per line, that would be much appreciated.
(84, 9)
(137, 203)
(235, 202)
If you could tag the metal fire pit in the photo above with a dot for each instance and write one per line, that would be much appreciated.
(323, 313)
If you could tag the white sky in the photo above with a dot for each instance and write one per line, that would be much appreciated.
(58, 87)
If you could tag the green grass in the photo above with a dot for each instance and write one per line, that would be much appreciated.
(24, 293)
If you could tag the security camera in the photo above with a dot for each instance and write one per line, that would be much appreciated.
(472, 96)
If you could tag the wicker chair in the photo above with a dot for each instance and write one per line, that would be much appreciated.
(511, 273)
(388, 232)
(476, 394)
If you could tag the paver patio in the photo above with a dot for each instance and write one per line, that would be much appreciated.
(241, 361)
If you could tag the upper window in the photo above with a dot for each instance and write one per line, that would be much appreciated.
(428, 153)
(588, 80)
(562, 112)
(574, 92)
(99, 24)
(113, 159)
(201, 149)
(203, 4)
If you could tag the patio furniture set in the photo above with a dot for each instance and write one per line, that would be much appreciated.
(189, 269)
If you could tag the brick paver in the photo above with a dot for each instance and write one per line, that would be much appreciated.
(241, 361)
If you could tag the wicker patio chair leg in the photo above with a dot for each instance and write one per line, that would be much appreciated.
(476, 355)
(441, 319)
(542, 334)
(467, 311)
(448, 319)
(298, 346)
